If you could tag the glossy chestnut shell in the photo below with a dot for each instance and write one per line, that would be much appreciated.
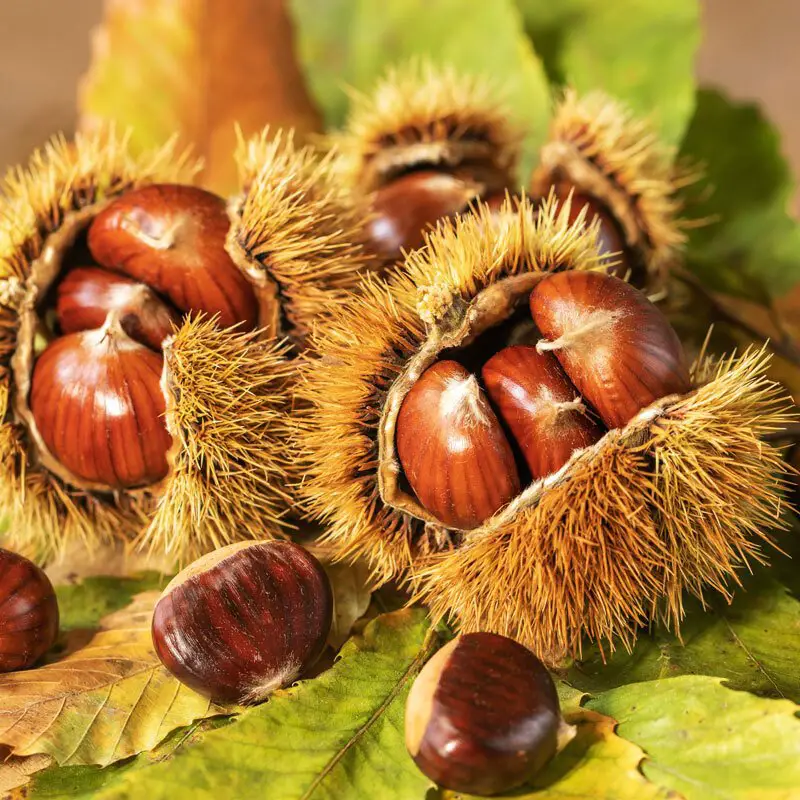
(28, 612)
(244, 620)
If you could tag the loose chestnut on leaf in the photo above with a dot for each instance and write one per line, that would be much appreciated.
(425, 145)
(28, 612)
(615, 167)
(244, 620)
(639, 480)
(146, 417)
(483, 717)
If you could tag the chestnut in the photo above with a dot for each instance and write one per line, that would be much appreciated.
(87, 294)
(97, 403)
(28, 612)
(244, 620)
(452, 449)
(615, 345)
(540, 407)
(409, 206)
(172, 238)
(482, 716)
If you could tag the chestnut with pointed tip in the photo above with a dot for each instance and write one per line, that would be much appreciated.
(28, 612)
(540, 406)
(172, 238)
(615, 346)
(99, 408)
(244, 620)
(452, 449)
(482, 716)
(409, 206)
(87, 294)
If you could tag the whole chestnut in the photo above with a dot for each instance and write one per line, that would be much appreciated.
(482, 716)
(28, 612)
(244, 620)
(172, 238)
(615, 345)
(540, 407)
(87, 294)
(452, 449)
(98, 405)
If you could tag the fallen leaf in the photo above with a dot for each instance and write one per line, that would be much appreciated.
(195, 68)
(16, 771)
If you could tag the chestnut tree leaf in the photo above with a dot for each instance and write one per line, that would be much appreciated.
(339, 735)
(195, 68)
(351, 598)
(637, 50)
(750, 245)
(753, 644)
(706, 741)
(16, 771)
(353, 42)
(108, 699)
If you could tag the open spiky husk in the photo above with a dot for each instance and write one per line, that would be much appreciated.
(600, 147)
(295, 229)
(605, 545)
(420, 114)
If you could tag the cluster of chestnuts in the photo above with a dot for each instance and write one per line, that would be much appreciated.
(599, 353)
(153, 255)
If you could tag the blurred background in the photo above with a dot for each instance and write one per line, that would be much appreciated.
(749, 49)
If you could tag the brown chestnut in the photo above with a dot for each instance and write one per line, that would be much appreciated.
(405, 209)
(483, 716)
(244, 620)
(99, 408)
(540, 406)
(87, 294)
(172, 238)
(615, 346)
(28, 612)
(452, 449)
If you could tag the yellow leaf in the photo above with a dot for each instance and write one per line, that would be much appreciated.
(107, 700)
(16, 771)
(195, 68)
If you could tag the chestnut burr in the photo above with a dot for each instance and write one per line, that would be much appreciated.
(244, 620)
(540, 407)
(28, 612)
(483, 716)
(172, 238)
(616, 347)
(452, 449)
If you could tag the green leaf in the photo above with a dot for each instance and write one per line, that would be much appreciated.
(353, 42)
(706, 741)
(752, 643)
(751, 246)
(637, 50)
(339, 735)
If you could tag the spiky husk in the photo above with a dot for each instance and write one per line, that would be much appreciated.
(608, 543)
(226, 410)
(603, 149)
(422, 114)
(226, 391)
(296, 228)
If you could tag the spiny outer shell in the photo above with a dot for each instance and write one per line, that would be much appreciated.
(184, 512)
(676, 501)
(296, 228)
(425, 114)
(601, 148)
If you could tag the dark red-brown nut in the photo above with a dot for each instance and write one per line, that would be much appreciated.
(482, 717)
(540, 407)
(28, 612)
(615, 346)
(99, 408)
(245, 620)
(409, 206)
(87, 294)
(172, 238)
(452, 449)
